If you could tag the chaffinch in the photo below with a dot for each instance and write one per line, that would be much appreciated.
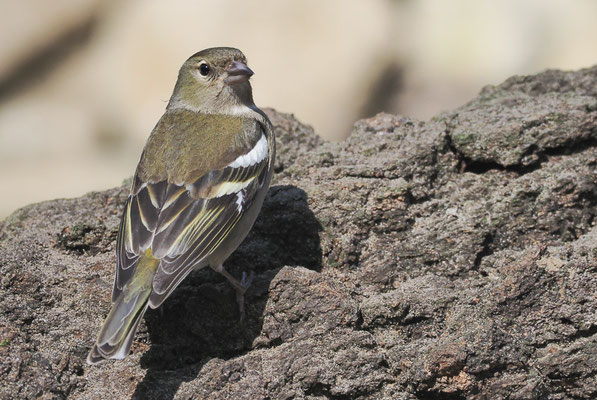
(198, 188)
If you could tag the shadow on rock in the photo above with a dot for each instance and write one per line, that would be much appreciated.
(200, 321)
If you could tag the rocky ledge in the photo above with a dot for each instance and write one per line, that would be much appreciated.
(448, 259)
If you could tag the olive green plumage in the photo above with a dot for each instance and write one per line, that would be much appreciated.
(216, 135)
(198, 188)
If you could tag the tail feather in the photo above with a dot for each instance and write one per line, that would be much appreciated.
(116, 336)
(117, 333)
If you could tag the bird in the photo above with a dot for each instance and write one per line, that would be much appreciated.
(200, 183)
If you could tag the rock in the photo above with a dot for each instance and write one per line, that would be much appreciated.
(453, 258)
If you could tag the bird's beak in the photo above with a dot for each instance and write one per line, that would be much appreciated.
(238, 73)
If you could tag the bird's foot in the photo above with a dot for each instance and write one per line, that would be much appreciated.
(240, 286)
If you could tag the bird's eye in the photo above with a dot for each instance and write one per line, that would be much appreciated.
(204, 69)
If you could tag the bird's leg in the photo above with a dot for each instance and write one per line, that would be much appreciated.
(240, 287)
(245, 282)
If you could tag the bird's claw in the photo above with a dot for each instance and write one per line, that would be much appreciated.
(246, 280)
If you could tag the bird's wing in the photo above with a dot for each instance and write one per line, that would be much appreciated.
(182, 224)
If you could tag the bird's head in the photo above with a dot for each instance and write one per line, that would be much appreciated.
(214, 81)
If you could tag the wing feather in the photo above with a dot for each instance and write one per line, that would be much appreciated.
(208, 238)
(207, 234)
(157, 193)
(184, 224)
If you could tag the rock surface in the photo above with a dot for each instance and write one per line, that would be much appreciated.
(448, 259)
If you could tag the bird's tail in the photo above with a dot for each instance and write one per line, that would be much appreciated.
(116, 335)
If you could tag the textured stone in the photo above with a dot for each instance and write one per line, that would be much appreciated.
(454, 258)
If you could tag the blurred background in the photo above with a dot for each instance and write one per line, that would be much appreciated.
(83, 82)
